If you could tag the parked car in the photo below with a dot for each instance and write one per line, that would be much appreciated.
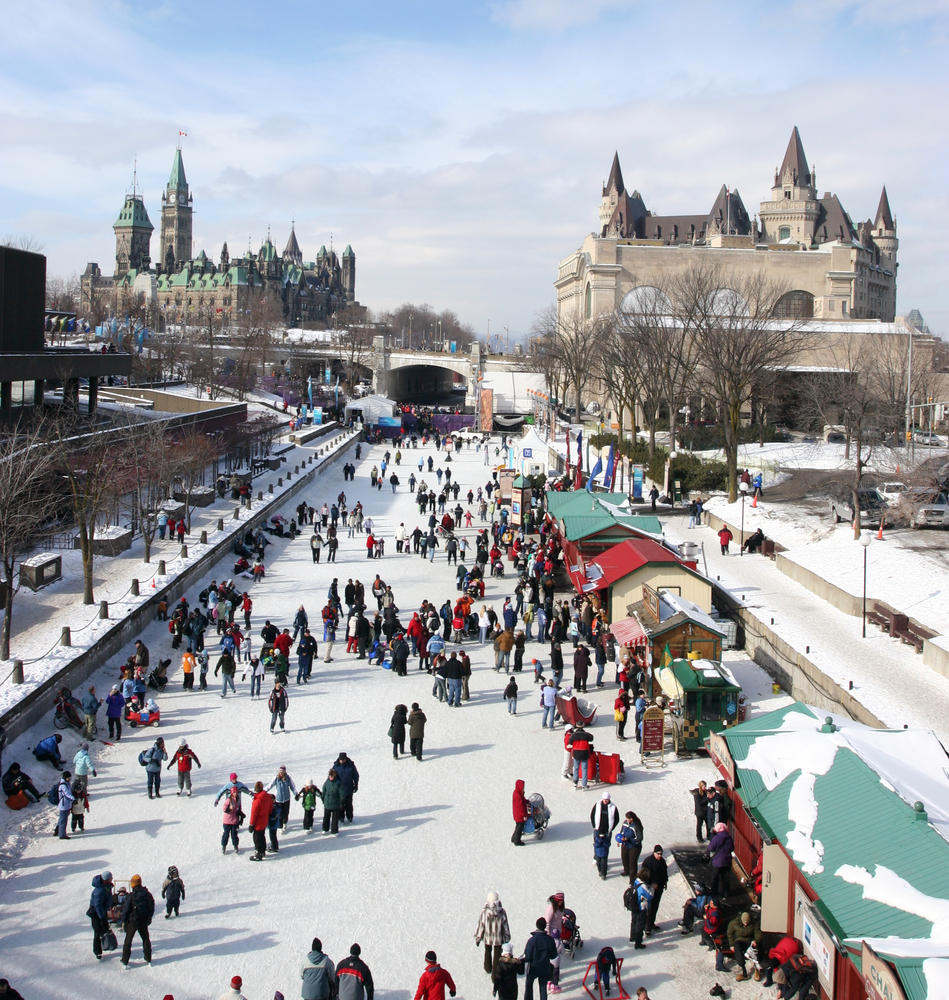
(928, 508)
(873, 507)
(894, 493)
(928, 437)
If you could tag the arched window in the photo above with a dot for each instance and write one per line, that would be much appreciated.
(796, 304)
(646, 299)
(784, 233)
(727, 302)
(588, 302)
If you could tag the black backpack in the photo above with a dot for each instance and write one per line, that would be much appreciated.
(144, 907)
(631, 899)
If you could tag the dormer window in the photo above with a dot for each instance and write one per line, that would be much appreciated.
(787, 194)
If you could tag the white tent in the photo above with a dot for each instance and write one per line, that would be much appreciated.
(371, 408)
(537, 453)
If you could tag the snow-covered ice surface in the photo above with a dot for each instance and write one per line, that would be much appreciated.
(889, 678)
(430, 839)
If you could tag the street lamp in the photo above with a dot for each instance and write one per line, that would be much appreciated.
(671, 484)
(865, 539)
(743, 487)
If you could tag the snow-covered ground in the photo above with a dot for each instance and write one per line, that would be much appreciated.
(430, 839)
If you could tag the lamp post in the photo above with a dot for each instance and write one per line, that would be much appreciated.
(743, 488)
(865, 539)
(671, 485)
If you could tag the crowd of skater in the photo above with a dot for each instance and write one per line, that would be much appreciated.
(363, 621)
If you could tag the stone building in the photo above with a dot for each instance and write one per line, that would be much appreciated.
(187, 288)
(833, 269)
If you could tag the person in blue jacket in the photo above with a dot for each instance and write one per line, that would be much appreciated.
(114, 704)
(153, 758)
(349, 777)
(48, 750)
(540, 951)
(99, 905)
(285, 787)
(232, 783)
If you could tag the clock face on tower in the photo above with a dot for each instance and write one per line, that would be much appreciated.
(181, 199)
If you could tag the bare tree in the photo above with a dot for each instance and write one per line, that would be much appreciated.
(253, 340)
(192, 453)
(63, 294)
(730, 317)
(146, 476)
(26, 473)
(355, 344)
(571, 345)
(20, 241)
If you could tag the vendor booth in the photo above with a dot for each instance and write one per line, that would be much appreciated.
(376, 412)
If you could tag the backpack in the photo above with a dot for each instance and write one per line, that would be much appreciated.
(802, 965)
(52, 796)
(631, 899)
(142, 758)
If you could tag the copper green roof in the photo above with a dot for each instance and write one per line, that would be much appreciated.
(177, 181)
(268, 251)
(348, 252)
(133, 214)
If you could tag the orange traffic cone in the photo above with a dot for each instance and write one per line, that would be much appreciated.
(754, 500)
(880, 532)
(153, 584)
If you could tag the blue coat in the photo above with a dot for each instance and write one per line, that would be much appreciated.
(49, 745)
(91, 704)
(540, 952)
(348, 776)
(284, 787)
(241, 787)
(114, 705)
(155, 756)
(101, 897)
(510, 619)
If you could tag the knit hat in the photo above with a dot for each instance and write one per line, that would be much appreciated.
(492, 897)
(85, 746)
(182, 743)
(559, 897)
(115, 689)
(135, 880)
(355, 950)
(236, 983)
(106, 876)
(720, 828)
(746, 918)
(657, 849)
(507, 949)
(277, 996)
(606, 796)
(233, 777)
(430, 956)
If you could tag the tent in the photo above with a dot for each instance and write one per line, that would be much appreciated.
(374, 411)
(537, 448)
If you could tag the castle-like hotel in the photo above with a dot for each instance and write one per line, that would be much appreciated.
(833, 269)
(184, 287)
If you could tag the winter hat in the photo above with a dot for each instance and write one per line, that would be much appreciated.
(115, 689)
(492, 897)
(507, 949)
(106, 876)
(277, 996)
(355, 950)
(746, 918)
(606, 796)
(559, 897)
(657, 849)
(236, 983)
(720, 828)
(430, 956)
(66, 774)
(135, 880)
(85, 746)
(233, 777)
(172, 872)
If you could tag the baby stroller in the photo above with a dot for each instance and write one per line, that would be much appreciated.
(539, 817)
(158, 678)
(69, 712)
(497, 568)
(570, 933)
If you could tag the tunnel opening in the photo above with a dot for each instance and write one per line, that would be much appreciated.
(426, 384)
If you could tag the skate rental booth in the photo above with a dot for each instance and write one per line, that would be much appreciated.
(853, 827)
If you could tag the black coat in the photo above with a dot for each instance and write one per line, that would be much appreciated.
(658, 870)
(540, 952)
(505, 977)
(398, 726)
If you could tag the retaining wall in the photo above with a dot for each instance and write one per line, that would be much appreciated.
(38, 702)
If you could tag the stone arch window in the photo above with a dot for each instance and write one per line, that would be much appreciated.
(796, 304)
(588, 302)
(646, 299)
(784, 233)
(727, 302)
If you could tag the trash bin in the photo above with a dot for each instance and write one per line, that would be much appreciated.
(742, 708)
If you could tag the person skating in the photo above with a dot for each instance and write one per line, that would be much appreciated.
(285, 787)
(332, 795)
(604, 817)
(522, 811)
(353, 978)
(137, 912)
(273, 824)
(580, 743)
(538, 954)
(493, 930)
(183, 757)
(658, 877)
(506, 973)
(278, 703)
(308, 795)
(82, 765)
(605, 966)
(228, 668)
(65, 799)
(172, 892)
(637, 899)
(234, 992)
(100, 903)
(510, 696)
(349, 778)
(318, 974)
(416, 722)
(231, 820)
(259, 819)
(431, 985)
(153, 758)
(80, 806)
(631, 844)
(397, 730)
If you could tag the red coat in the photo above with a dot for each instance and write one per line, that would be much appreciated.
(432, 984)
(725, 536)
(522, 808)
(784, 949)
(415, 627)
(282, 644)
(260, 811)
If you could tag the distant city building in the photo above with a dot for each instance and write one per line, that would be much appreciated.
(834, 270)
(183, 287)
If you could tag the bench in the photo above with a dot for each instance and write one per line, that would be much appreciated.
(913, 635)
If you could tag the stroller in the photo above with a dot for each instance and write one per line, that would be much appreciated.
(158, 678)
(497, 568)
(69, 712)
(570, 933)
(539, 817)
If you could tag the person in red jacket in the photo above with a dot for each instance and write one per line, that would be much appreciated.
(184, 756)
(777, 956)
(431, 986)
(414, 632)
(724, 537)
(259, 818)
(522, 809)
(283, 642)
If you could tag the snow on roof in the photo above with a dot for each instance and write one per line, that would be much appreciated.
(682, 605)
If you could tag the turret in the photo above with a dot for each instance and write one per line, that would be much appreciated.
(349, 274)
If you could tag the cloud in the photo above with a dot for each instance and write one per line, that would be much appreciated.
(554, 15)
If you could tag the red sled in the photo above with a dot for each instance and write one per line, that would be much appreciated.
(144, 718)
(623, 995)
(609, 768)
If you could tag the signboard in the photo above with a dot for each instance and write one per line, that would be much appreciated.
(328, 375)
(721, 755)
(878, 977)
(486, 412)
(516, 519)
(506, 479)
(390, 421)
(527, 453)
(637, 482)
(654, 738)
(651, 600)
(317, 414)
(817, 942)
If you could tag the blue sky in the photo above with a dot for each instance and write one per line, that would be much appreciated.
(460, 147)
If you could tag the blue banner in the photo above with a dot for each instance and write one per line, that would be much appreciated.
(637, 482)
(595, 471)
